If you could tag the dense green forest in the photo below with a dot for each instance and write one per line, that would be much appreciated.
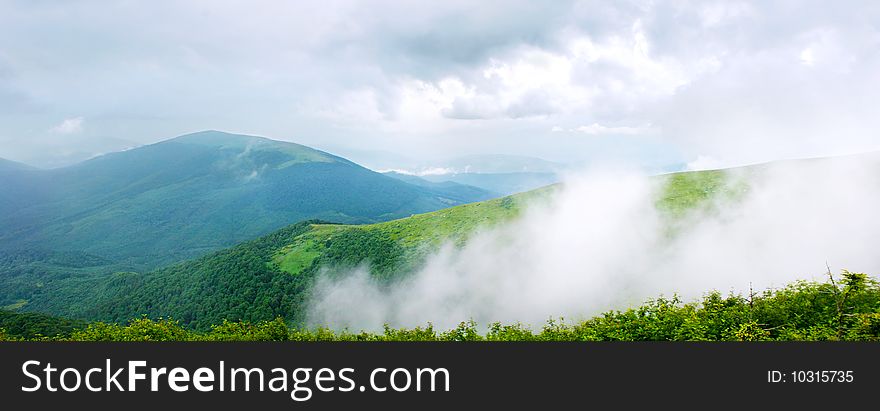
(36, 326)
(842, 309)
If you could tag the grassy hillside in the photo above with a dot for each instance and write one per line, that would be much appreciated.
(271, 276)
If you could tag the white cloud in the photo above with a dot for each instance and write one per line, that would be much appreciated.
(737, 79)
(720, 13)
(611, 75)
(807, 57)
(703, 162)
(69, 126)
(598, 129)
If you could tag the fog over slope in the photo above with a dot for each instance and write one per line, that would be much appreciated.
(600, 244)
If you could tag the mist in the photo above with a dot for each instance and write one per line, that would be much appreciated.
(600, 244)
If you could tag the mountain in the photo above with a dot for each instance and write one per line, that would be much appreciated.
(450, 189)
(502, 183)
(18, 187)
(497, 173)
(9, 165)
(193, 194)
(272, 275)
(374, 159)
(54, 151)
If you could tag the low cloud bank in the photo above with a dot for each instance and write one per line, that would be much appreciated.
(601, 244)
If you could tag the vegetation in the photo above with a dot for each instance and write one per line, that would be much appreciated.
(198, 193)
(236, 283)
(847, 309)
(271, 276)
(35, 325)
(141, 209)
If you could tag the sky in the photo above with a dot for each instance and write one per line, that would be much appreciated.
(699, 83)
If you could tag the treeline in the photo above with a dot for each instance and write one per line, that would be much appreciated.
(236, 283)
(847, 309)
(35, 326)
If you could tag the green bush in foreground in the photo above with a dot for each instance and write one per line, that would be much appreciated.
(845, 310)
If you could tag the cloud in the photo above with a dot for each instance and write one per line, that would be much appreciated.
(598, 129)
(72, 125)
(717, 14)
(742, 81)
(600, 244)
(807, 57)
(704, 163)
(611, 73)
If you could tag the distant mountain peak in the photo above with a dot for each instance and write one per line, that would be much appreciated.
(245, 143)
(219, 138)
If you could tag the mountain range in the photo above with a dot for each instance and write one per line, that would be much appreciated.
(196, 193)
(272, 275)
(214, 226)
(155, 205)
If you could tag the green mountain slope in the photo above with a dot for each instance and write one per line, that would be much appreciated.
(183, 197)
(19, 186)
(271, 276)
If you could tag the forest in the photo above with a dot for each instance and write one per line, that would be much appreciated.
(843, 308)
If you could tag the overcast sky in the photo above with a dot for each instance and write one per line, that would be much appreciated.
(705, 83)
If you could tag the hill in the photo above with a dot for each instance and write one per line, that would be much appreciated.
(35, 326)
(17, 186)
(9, 165)
(179, 199)
(183, 197)
(271, 276)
